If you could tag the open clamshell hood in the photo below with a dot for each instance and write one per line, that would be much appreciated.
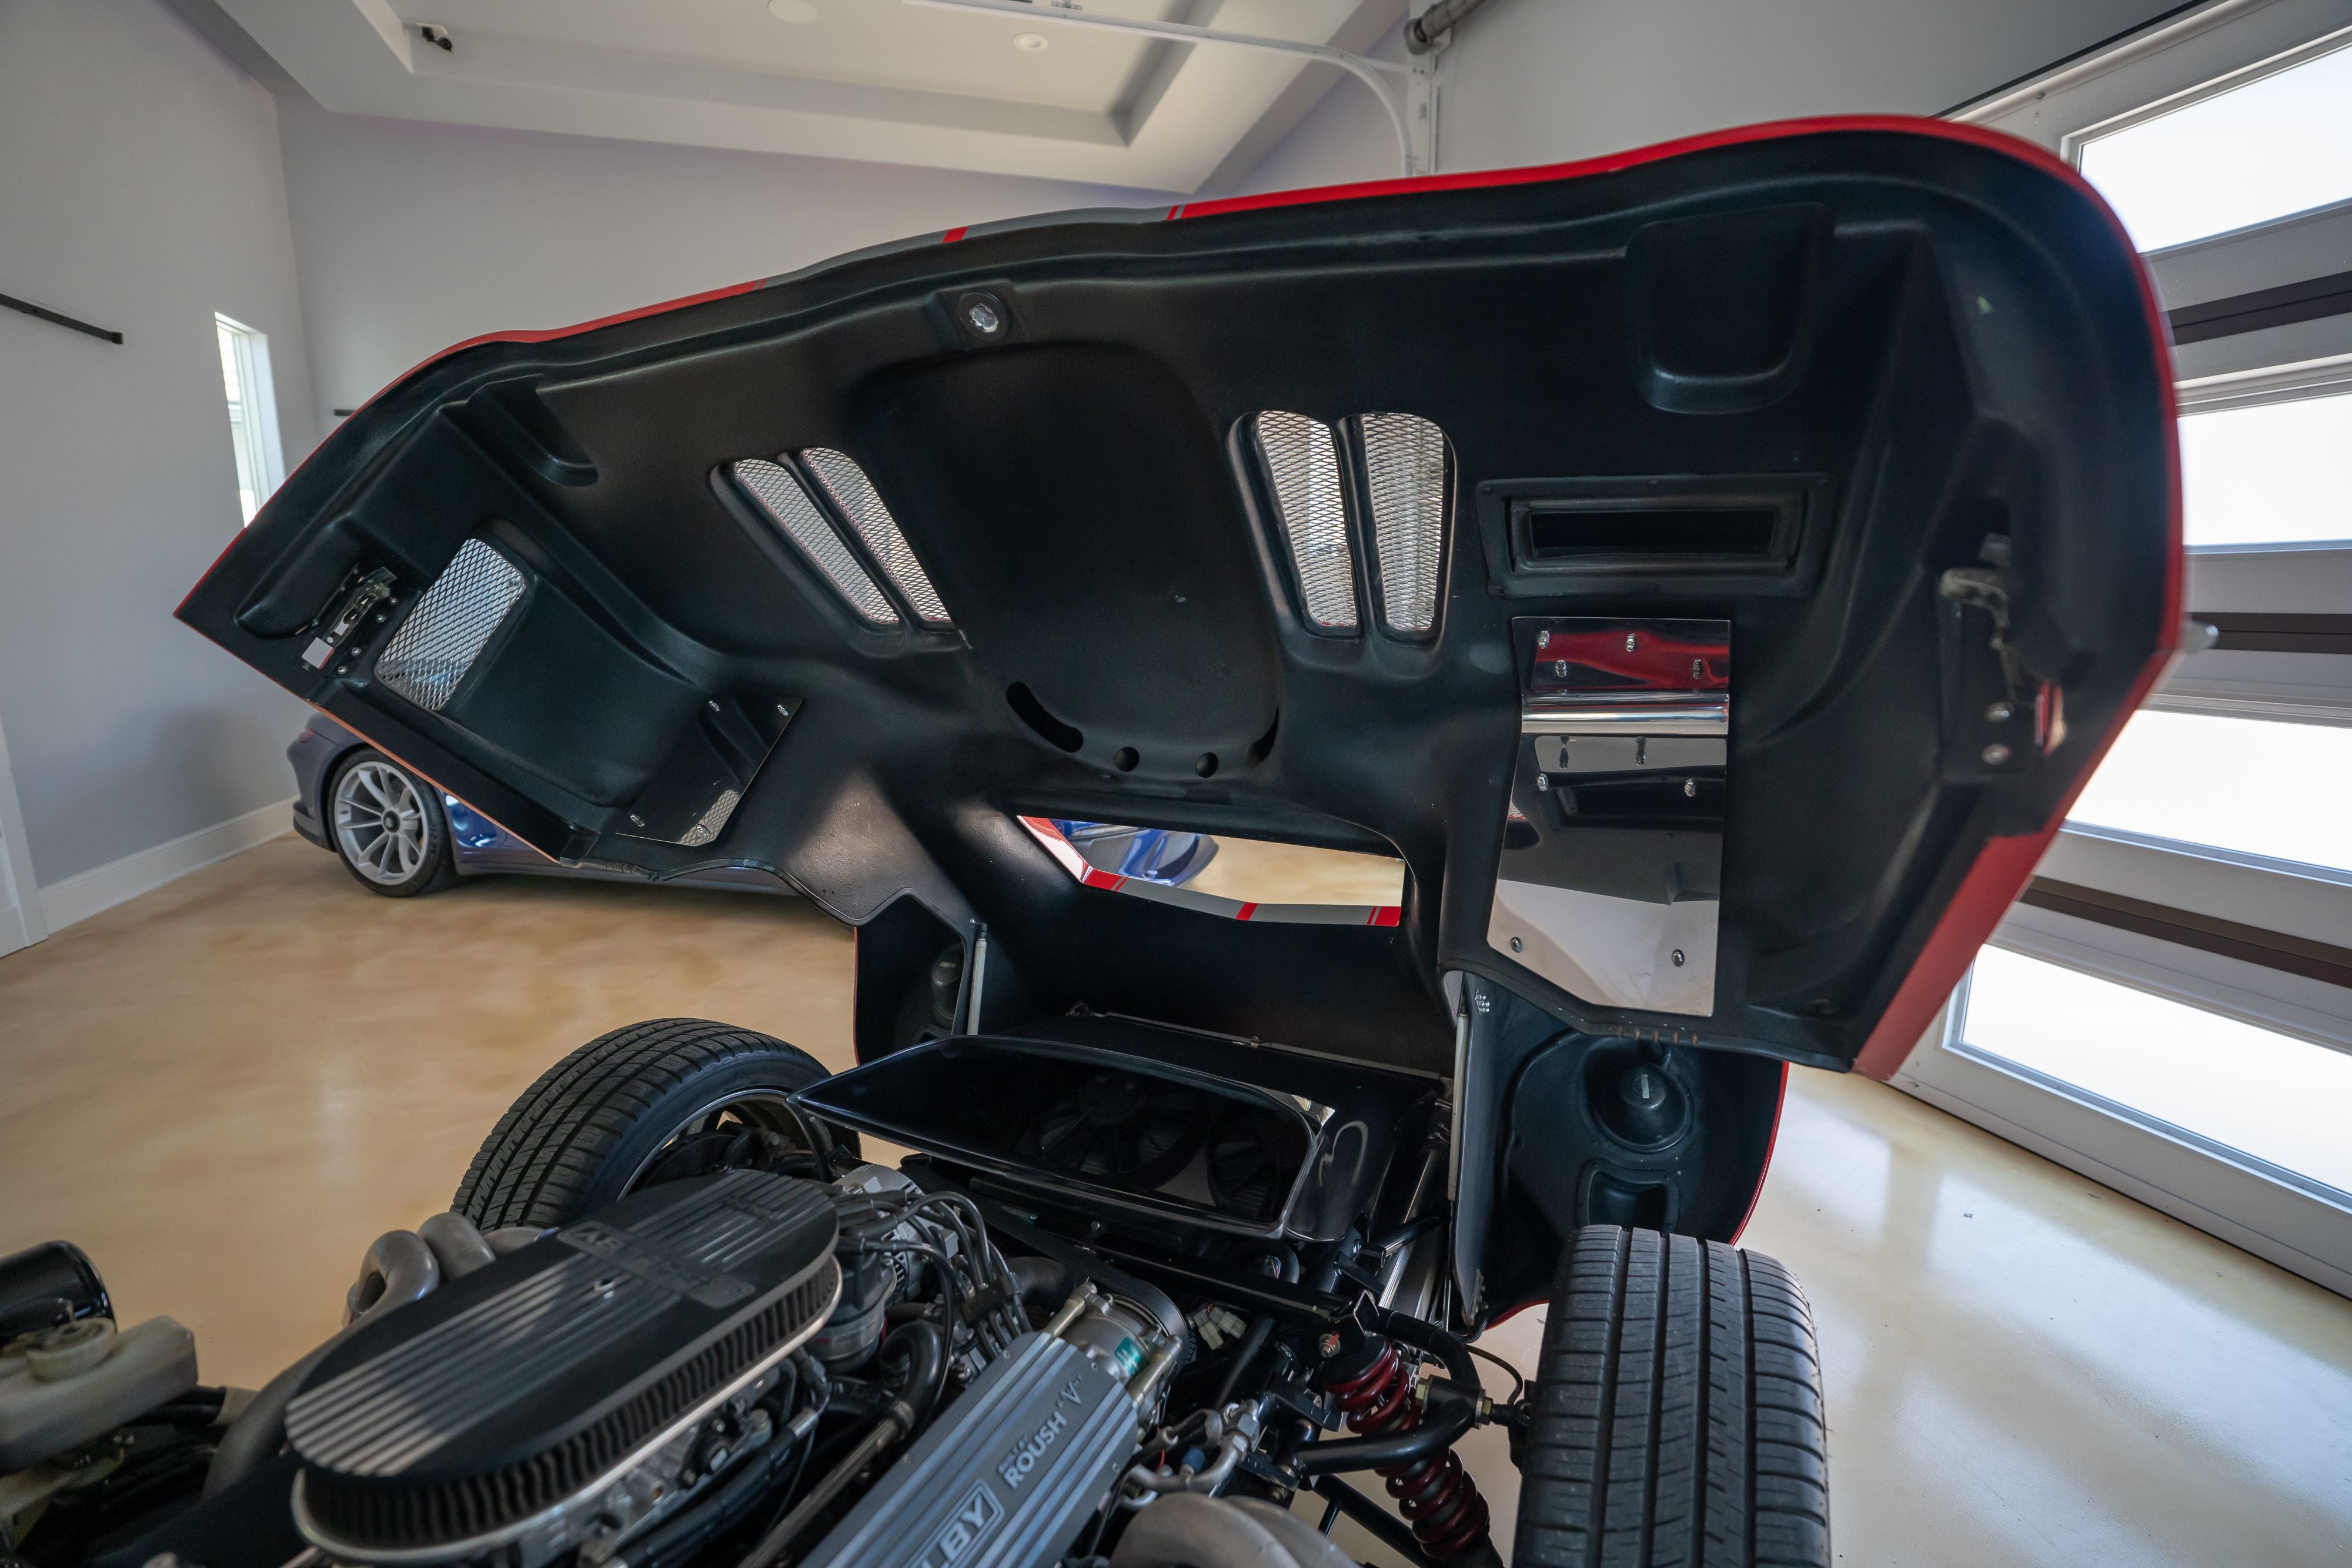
(1886, 402)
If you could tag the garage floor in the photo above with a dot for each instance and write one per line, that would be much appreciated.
(226, 1089)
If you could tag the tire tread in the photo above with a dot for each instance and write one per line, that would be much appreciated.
(542, 1158)
(1678, 1415)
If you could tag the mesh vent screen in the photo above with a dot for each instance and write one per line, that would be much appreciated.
(1302, 462)
(854, 493)
(1404, 460)
(788, 505)
(447, 630)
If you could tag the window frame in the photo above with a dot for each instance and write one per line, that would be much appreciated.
(257, 404)
(2261, 941)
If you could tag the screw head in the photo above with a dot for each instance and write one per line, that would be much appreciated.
(1517, 946)
(1560, 667)
(1690, 788)
(1327, 1346)
(983, 316)
(1995, 755)
(342, 669)
(1632, 642)
(1543, 780)
(1999, 712)
(1678, 957)
(1543, 639)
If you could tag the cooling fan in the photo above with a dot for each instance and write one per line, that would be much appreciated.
(1120, 1129)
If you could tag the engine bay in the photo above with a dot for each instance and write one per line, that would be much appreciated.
(1111, 1288)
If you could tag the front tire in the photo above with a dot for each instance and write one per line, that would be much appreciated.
(655, 1102)
(1677, 1412)
(387, 827)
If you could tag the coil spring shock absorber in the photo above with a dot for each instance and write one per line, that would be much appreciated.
(1439, 1499)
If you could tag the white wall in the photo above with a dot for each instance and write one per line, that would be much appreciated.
(140, 189)
(412, 236)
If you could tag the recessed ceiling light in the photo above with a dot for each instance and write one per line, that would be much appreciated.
(1032, 42)
(792, 10)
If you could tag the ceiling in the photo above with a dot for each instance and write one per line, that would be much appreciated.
(879, 80)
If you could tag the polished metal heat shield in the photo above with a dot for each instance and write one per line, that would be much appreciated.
(510, 1401)
(1610, 883)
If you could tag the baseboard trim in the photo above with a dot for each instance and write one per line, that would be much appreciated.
(100, 888)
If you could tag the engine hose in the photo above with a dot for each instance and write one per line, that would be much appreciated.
(1261, 1329)
(1435, 1494)
(1042, 1283)
(926, 1376)
(927, 1370)
(399, 1269)
(1432, 1435)
(1423, 1334)
(895, 1423)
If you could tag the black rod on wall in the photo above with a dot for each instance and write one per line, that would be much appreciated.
(13, 303)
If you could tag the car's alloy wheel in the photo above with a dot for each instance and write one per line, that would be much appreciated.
(387, 827)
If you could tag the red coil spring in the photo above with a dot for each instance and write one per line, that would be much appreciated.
(1436, 1494)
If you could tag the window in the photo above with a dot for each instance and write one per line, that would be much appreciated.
(252, 414)
(2275, 145)
(2246, 1091)
(2168, 1008)
(2275, 473)
(2255, 786)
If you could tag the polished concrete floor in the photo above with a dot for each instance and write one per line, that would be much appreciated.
(226, 1089)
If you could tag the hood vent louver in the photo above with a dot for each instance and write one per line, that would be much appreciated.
(1404, 469)
(1302, 465)
(441, 638)
(854, 495)
(780, 495)
(1376, 485)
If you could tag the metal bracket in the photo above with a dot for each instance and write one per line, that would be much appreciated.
(372, 589)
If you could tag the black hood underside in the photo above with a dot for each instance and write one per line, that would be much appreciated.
(1787, 383)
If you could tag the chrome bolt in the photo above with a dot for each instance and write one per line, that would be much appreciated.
(1631, 641)
(1999, 712)
(1678, 957)
(1543, 639)
(1518, 946)
(1560, 667)
(1327, 1346)
(983, 317)
(1698, 669)
(1543, 781)
(1690, 788)
(1995, 755)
